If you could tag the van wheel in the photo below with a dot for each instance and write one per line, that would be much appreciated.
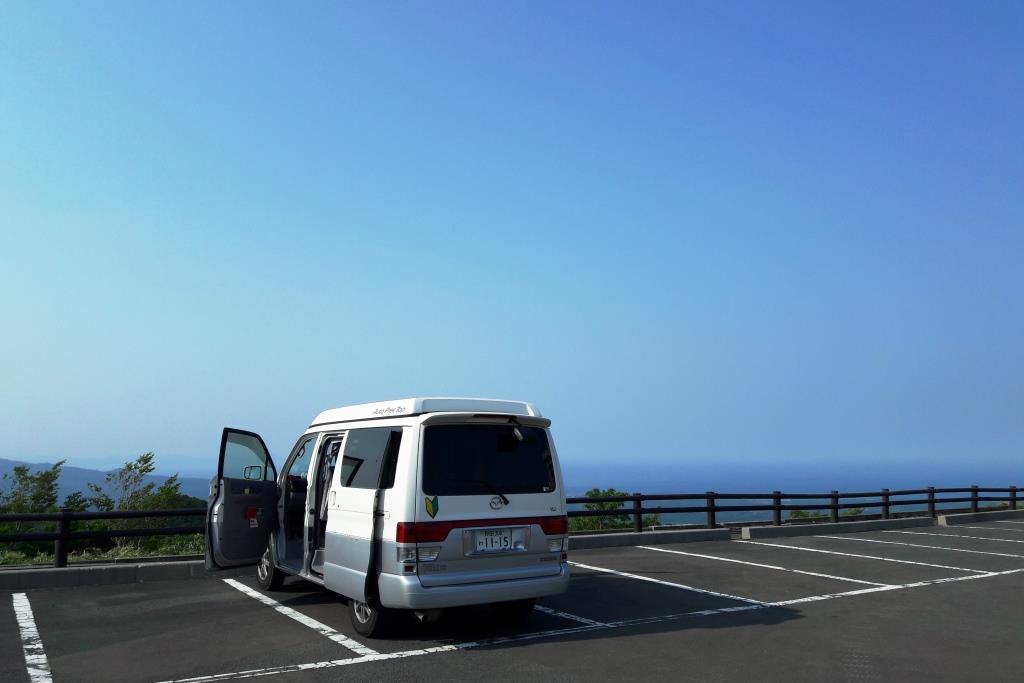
(368, 621)
(514, 612)
(268, 576)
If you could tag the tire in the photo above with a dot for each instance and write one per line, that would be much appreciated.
(514, 612)
(372, 622)
(268, 576)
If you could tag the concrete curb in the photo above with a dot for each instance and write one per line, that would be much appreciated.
(646, 538)
(752, 532)
(143, 572)
(970, 517)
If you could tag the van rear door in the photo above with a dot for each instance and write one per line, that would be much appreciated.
(492, 506)
(243, 501)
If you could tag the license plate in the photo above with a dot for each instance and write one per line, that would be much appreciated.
(492, 540)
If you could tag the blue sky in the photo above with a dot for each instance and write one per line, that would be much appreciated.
(695, 234)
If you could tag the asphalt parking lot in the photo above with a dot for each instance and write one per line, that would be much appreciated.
(937, 603)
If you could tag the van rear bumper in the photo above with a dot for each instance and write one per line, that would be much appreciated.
(406, 592)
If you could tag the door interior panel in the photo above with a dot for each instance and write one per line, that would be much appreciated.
(246, 519)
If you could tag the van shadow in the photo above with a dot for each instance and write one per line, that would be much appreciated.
(479, 627)
(604, 606)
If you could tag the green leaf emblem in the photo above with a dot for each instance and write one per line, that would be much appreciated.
(431, 506)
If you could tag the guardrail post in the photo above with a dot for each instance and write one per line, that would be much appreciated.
(638, 514)
(60, 546)
(974, 498)
(931, 501)
(1013, 497)
(835, 506)
(711, 524)
(885, 503)
(777, 508)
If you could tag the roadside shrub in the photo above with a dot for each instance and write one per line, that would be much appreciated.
(122, 489)
(613, 521)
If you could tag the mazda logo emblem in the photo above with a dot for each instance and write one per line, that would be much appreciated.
(496, 503)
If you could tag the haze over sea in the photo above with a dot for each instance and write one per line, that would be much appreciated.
(684, 478)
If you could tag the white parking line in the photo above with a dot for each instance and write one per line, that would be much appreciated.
(533, 635)
(763, 566)
(681, 586)
(1000, 529)
(565, 615)
(830, 596)
(253, 673)
(866, 557)
(597, 626)
(679, 615)
(321, 628)
(978, 538)
(36, 664)
(270, 671)
(918, 545)
(1006, 521)
(812, 598)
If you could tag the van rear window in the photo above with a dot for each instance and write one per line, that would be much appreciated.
(486, 459)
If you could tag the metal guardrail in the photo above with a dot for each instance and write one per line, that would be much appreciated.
(711, 508)
(63, 536)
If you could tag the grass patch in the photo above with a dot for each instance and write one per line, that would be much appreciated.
(191, 544)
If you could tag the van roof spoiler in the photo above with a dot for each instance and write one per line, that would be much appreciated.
(492, 418)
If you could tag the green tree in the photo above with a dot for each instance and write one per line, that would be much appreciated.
(23, 490)
(76, 502)
(613, 520)
(124, 489)
(806, 514)
(814, 514)
(127, 489)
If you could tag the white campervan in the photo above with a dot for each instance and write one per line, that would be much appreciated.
(416, 504)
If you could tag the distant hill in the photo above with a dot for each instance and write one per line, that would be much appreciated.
(76, 478)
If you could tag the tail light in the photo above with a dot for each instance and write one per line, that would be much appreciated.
(553, 526)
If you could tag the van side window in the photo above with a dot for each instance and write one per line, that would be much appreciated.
(370, 459)
(299, 467)
(243, 454)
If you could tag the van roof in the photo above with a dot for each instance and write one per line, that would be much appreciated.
(417, 406)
